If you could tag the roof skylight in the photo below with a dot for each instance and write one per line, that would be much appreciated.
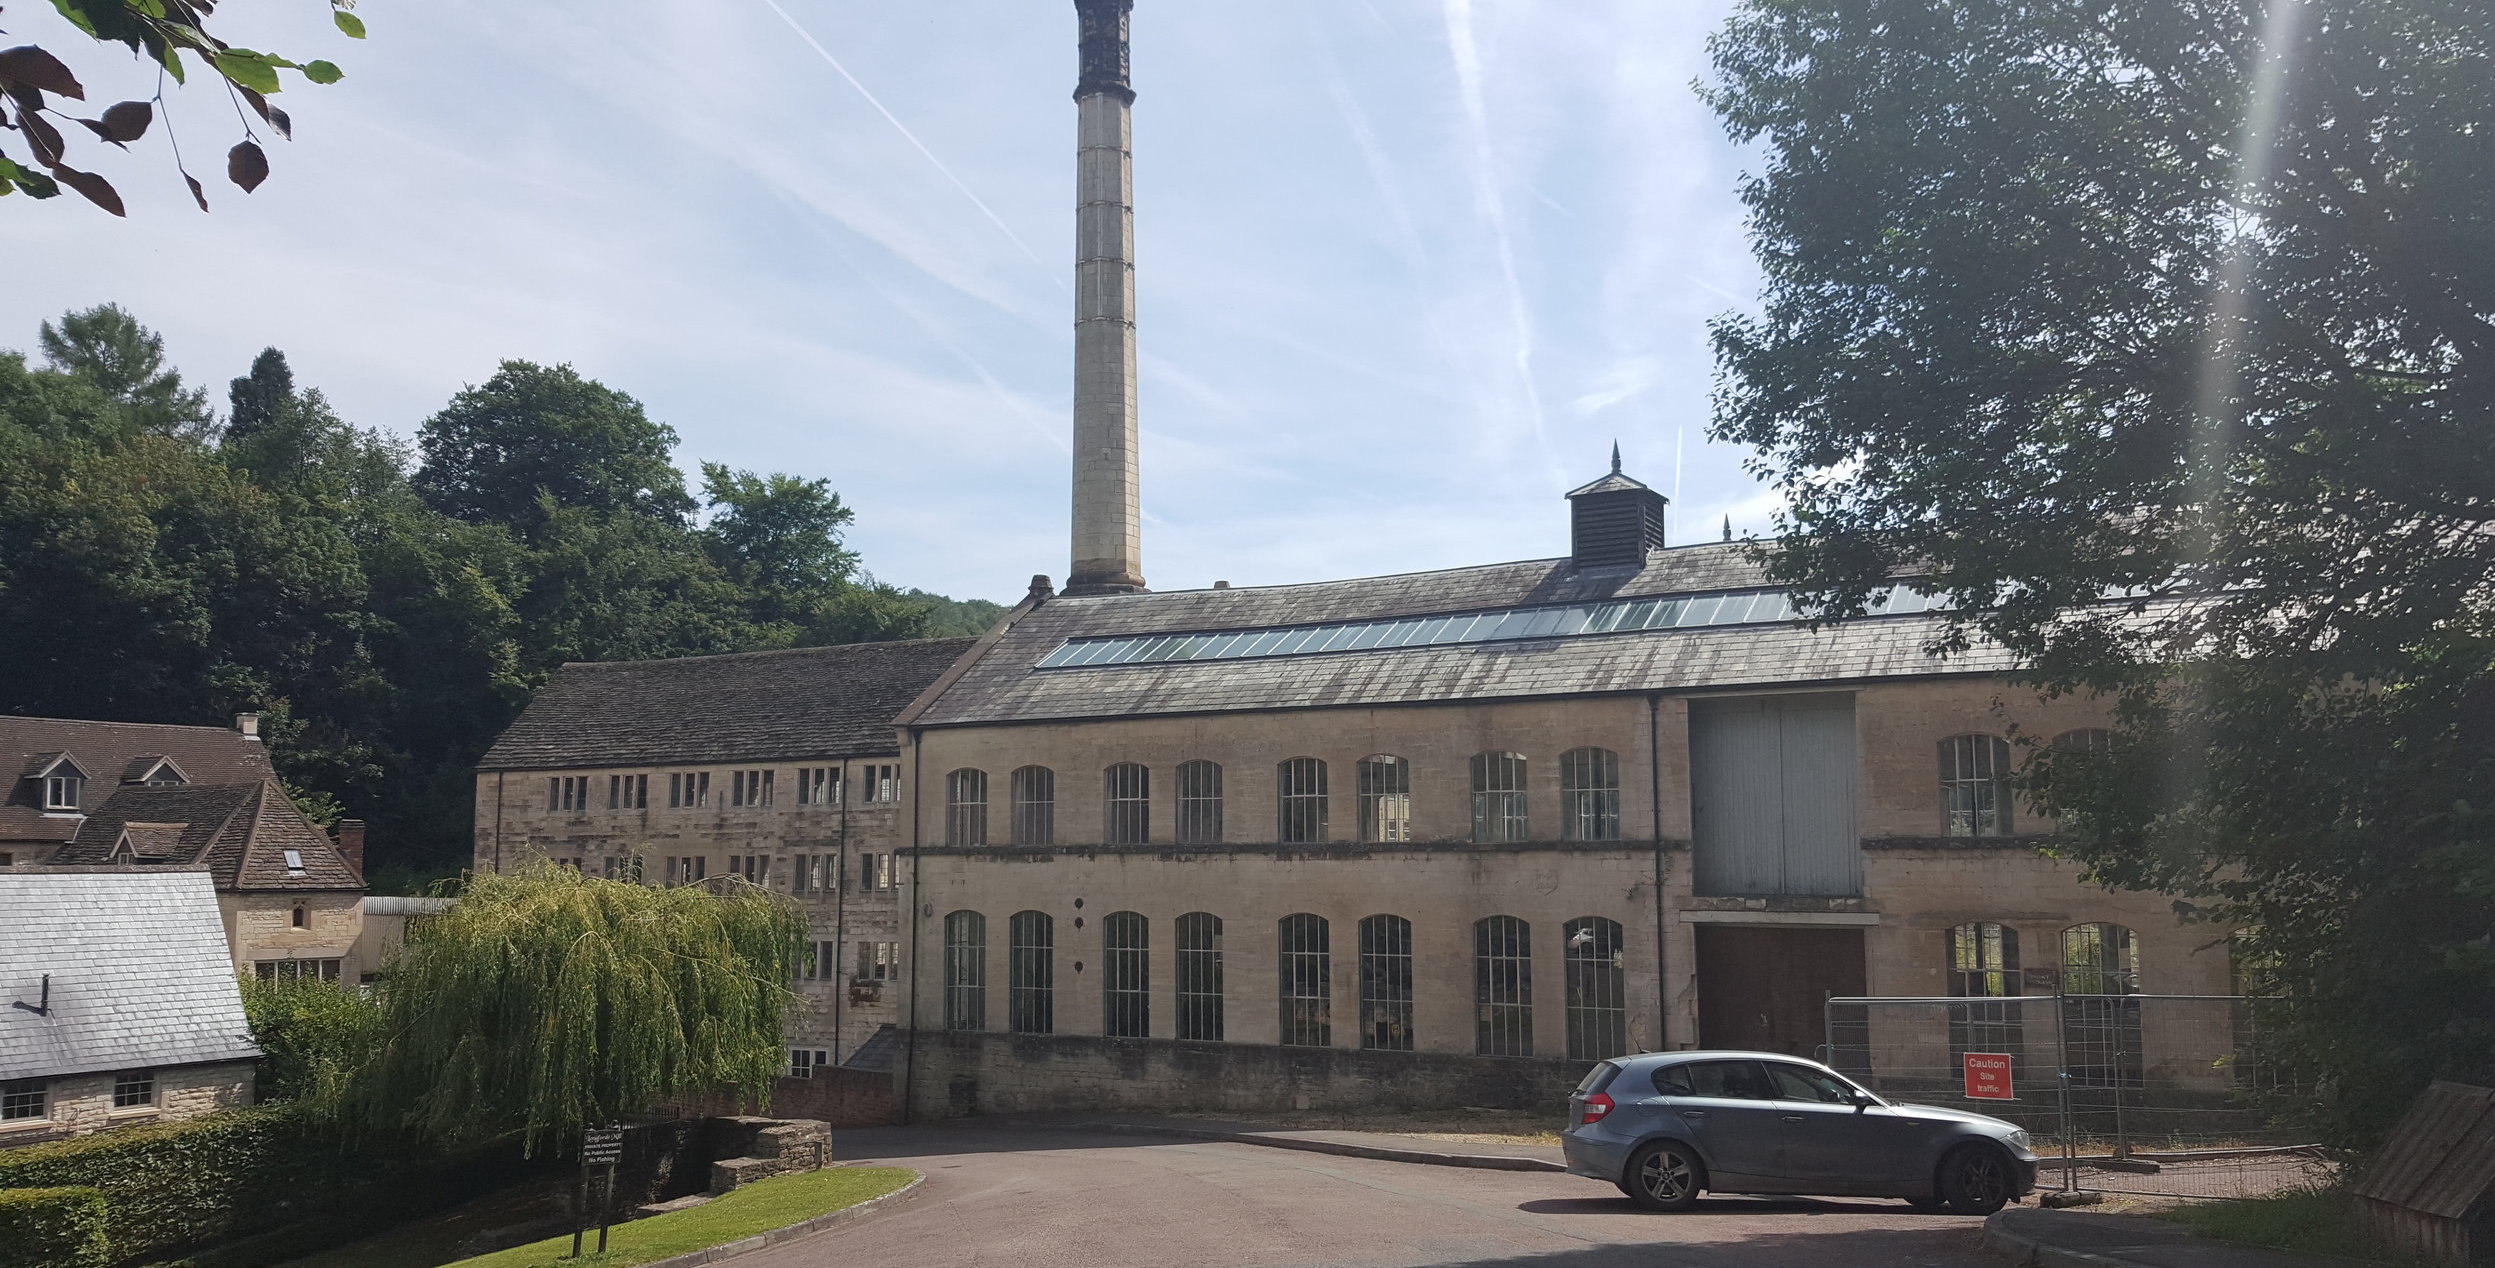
(1614, 616)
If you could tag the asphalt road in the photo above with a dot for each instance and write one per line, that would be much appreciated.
(1048, 1199)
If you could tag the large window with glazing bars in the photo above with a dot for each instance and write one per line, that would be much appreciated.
(1127, 959)
(1386, 983)
(1589, 795)
(2101, 1032)
(1975, 786)
(1199, 803)
(966, 808)
(1199, 942)
(1598, 994)
(1503, 987)
(1034, 792)
(1499, 797)
(1984, 962)
(1300, 801)
(1030, 973)
(965, 971)
(1385, 798)
(1127, 814)
(1307, 981)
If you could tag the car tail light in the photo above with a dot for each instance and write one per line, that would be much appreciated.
(1596, 1106)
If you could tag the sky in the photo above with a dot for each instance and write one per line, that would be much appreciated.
(1406, 268)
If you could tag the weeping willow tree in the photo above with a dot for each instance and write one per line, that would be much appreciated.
(546, 1001)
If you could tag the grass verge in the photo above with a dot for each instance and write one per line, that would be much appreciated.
(755, 1208)
(2316, 1221)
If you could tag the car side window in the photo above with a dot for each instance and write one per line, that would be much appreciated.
(1736, 1080)
(1673, 1080)
(1799, 1083)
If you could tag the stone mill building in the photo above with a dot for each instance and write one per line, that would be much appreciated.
(1436, 838)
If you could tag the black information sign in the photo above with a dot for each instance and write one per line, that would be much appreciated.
(600, 1149)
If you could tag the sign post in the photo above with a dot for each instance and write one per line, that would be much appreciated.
(600, 1149)
(1988, 1077)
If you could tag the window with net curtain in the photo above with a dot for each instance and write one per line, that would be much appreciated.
(1199, 946)
(1127, 814)
(1499, 797)
(1589, 795)
(1199, 803)
(1030, 973)
(966, 807)
(1300, 801)
(1385, 798)
(965, 971)
(1386, 983)
(1034, 792)
(1307, 981)
(1975, 786)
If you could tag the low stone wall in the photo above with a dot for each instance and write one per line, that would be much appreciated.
(836, 1095)
(962, 1073)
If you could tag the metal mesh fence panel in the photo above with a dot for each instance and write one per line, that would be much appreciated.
(2148, 1094)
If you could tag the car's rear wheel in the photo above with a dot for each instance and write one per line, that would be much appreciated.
(1975, 1180)
(1664, 1176)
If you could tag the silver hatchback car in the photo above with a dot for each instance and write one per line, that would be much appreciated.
(1666, 1126)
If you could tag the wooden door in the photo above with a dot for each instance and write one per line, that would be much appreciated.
(1762, 988)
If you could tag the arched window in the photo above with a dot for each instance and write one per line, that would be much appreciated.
(1128, 975)
(1030, 973)
(1200, 803)
(1200, 975)
(1503, 987)
(965, 971)
(2100, 1027)
(966, 807)
(1307, 981)
(1589, 795)
(1498, 797)
(1975, 786)
(1035, 806)
(1984, 962)
(2085, 740)
(302, 919)
(1385, 799)
(1300, 802)
(1126, 817)
(1386, 982)
(1598, 992)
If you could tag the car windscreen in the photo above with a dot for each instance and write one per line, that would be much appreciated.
(1598, 1078)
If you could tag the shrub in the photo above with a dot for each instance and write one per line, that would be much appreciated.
(52, 1228)
(313, 1037)
(168, 1187)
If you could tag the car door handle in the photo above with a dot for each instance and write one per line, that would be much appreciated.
(1693, 1113)
(1794, 1118)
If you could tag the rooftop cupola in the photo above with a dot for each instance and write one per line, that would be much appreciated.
(1614, 521)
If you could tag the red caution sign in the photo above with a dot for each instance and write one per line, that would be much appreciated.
(1988, 1077)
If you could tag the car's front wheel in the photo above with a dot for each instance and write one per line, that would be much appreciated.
(1975, 1180)
(1664, 1176)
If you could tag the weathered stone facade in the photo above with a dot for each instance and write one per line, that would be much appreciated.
(81, 1104)
(305, 929)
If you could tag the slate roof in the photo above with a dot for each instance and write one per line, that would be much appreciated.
(1004, 686)
(141, 976)
(239, 832)
(205, 754)
(752, 706)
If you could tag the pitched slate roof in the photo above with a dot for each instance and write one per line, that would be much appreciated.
(141, 976)
(808, 702)
(205, 754)
(239, 832)
(1004, 686)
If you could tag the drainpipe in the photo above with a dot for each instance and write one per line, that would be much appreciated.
(840, 916)
(1654, 800)
(498, 777)
(909, 1077)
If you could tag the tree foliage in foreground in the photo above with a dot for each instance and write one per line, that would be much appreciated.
(2191, 301)
(36, 85)
(390, 608)
(544, 1002)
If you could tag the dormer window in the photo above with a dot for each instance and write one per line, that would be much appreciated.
(64, 791)
(157, 772)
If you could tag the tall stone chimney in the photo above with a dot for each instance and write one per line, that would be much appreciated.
(1108, 517)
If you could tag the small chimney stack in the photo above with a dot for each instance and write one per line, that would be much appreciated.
(1108, 511)
(248, 725)
(350, 838)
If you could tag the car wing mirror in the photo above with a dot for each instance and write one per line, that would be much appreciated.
(1862, 1100)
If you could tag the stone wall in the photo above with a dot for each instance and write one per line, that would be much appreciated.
(960, 1074)
(259, 925)
(837, 1095)
(83, 1103)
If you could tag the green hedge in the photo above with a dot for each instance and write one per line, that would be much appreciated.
(169, 1187)
(52, 1228)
